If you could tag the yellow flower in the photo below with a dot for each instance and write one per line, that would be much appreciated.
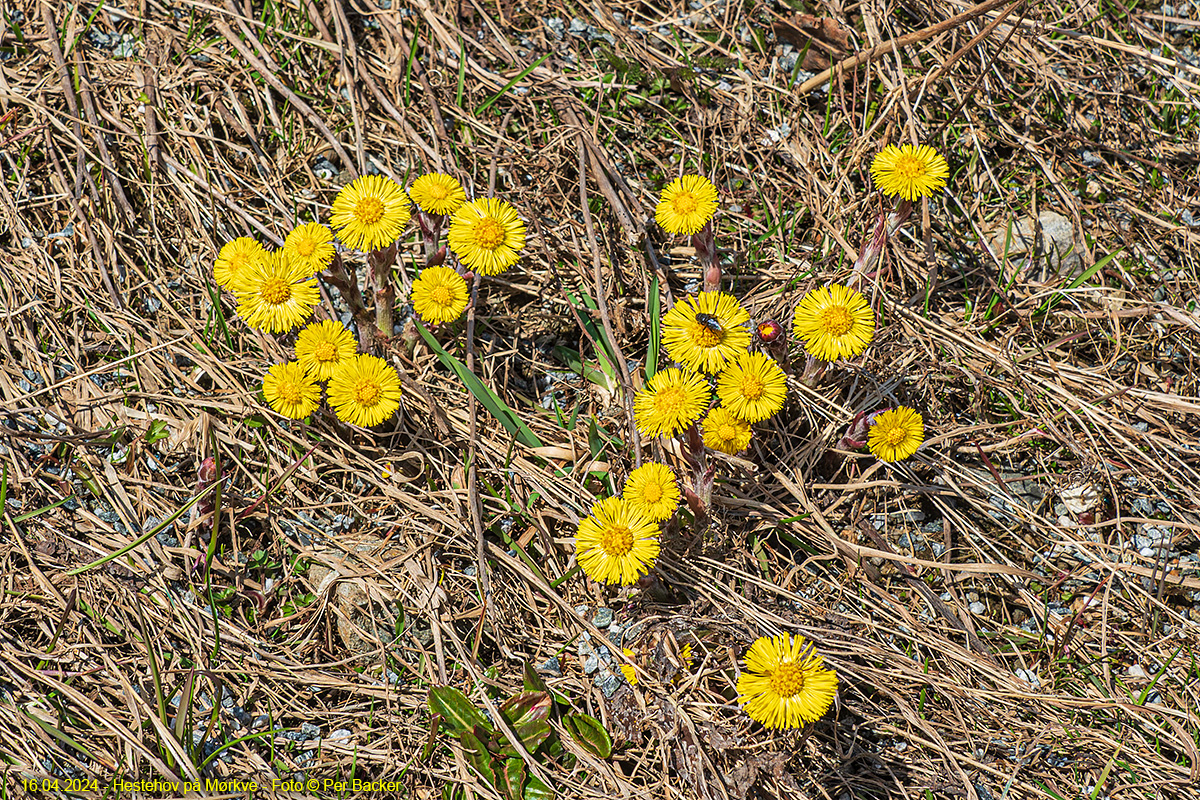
(436, 193)
(310, 244)
(909, 171)
(834, 322)
(487, 235)
(726, 432)
(785, 683)
(686, 204)
(895, 435)
(439, 294)
(706, 332)
(322, 346)
(671, 401)
(617, 543)
(364, 390)
(685, 655)
(652, 489)
(275, 293)
(290, 390)
(629, 672)
(233, 258)
(370, 213)
(753, 387)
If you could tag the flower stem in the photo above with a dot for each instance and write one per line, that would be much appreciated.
(885, 226)
(341, 276)
(381, 262)
(431, 232)
(814, 370)
(704, 241)
(699, 495)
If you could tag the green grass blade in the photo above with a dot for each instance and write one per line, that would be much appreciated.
(652, 305)
(574, 362)
(520, 76)
(491, 401)
(604, 354)
(59, 735)
(145, 536)
(1078, 281)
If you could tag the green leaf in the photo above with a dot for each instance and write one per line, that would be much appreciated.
(491, 401)
(57, 734)
(595, 440)
(489, 737)
(574, 362)
(526, 706)
(511, 779)
(589, 733)
(533, 681)
(457, 712)
(1083, 277)
(519, 76)
(533, 732)
(652, 303)
(604, 351)
(478, 756)
(536, 790)
(157, 431)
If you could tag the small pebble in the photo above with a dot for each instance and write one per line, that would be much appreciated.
(608, 682)
(1029, 676)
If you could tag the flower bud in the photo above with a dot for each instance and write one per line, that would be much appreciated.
(768, 331)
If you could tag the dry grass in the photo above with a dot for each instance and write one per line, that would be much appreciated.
(122, 368)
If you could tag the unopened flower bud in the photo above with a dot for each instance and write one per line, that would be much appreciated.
(768, 331)
(438, 258)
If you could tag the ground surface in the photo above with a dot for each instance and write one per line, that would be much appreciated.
(1012, 612)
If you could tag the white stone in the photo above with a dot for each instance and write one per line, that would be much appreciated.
(1059, 249)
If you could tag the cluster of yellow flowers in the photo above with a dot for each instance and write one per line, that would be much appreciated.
(277, 290)
(785, 683)
(618, 543)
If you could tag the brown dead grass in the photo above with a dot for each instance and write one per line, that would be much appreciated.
(147, 165)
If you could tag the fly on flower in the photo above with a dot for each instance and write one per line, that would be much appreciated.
(711, 322)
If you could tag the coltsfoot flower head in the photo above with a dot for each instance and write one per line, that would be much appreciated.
(311, 244)
(629, 672)
(617, 543)
(909, 171)
(487, 235)
(322, 346)
(437, 193)
(896, 434)
(834, 322)
(686, 205)
(726, 432)
(233, 259)
(364, 390)
(753, 387)
(652, 489)
(785, 683)
(370, 213)
(439, 294)
(275, 293)
(291, 390)
(705, 332)
(768, 332)
(670, 401)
